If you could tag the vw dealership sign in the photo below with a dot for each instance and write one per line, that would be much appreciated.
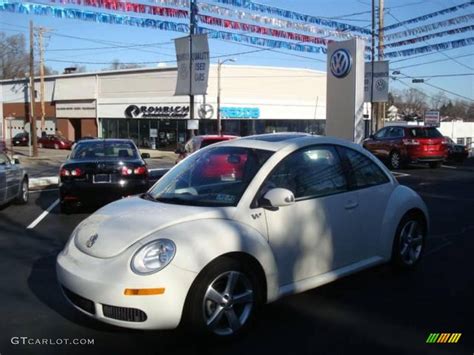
(341, 63)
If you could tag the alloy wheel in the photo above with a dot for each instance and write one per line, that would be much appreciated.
(24, 190)
(395, 160)
(228, 303)
(411, 242)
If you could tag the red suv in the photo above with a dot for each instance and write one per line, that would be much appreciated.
(198, 142)
(400, 145)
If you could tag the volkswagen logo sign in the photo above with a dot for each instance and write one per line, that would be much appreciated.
(341, 63)
(92, 240)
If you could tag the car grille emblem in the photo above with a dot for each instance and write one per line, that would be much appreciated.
(92, 240)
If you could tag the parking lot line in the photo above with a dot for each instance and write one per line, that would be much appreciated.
(43, 215)
(448, 166)
(42, 190)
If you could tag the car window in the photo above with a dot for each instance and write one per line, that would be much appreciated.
(4, 160)
(382, 133)
(96, 150)
(310, 172)
(395, 132)
(363, 171)
(425, 132)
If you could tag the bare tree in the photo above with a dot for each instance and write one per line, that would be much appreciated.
(116, 65)
(13, 56)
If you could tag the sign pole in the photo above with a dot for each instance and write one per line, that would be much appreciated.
(192, 28)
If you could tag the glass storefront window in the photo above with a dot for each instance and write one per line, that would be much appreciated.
(133, 131)
(144, 134)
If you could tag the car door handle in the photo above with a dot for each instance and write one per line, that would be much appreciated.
(351, 204)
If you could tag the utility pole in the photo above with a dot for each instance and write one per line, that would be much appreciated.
(192, 30)
(372, 55)
(381, 105)
(41, 31)
(33, 140)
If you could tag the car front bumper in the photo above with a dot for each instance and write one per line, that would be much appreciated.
(96, 287)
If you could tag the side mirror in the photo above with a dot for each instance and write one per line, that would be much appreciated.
(277, 197)
(145, 155)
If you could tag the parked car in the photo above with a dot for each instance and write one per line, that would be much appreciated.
(54, 141)
(400, 145)
(456, 152)
(101, 170)
(198, 142)
(299, 212)
(21, 138)
(13, 181)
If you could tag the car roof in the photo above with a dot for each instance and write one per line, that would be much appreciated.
(112, 140)
(278, 141)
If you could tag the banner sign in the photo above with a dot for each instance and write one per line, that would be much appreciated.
(430, 27)
(380, 85)
(192, 82)
(432, 118)
(240, 112)
(428, 16)
(134, 111)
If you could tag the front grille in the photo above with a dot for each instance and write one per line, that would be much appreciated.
(79, 301)
(123, 313)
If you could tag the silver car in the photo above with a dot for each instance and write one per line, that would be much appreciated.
(13, 181)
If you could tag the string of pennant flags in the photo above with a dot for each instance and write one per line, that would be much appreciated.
(430, 15)
(430, 48)
(429, 27)
(306, 43)
(430, 36)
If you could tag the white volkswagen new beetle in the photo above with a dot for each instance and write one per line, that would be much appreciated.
(236, 225)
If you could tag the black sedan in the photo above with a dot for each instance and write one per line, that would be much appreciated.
(22, 138)
(100, 171)
(456, 152)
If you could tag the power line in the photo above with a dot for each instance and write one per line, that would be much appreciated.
(443, 75)
(433, 61)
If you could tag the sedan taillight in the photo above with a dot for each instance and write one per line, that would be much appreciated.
(77, 172)
(141, 170)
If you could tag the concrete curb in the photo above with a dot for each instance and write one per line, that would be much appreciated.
(43, 181)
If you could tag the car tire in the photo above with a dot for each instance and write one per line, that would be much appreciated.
(211, 308)
(23, 194)
(395, 160)
(435, 164)
(409, 242)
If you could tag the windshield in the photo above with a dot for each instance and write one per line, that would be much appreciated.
(102, 149)
(211, 177)
(422, 132)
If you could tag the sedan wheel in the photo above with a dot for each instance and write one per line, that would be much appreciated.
(23, 194)
(224, 299)
(409, 242)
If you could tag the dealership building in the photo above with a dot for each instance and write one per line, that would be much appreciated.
(141, 104)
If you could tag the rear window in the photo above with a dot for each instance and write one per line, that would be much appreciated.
(424, 132)
(105, 150)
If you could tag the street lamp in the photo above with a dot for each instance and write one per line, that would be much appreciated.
(219, 64)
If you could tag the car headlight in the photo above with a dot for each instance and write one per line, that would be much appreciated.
(153, 257)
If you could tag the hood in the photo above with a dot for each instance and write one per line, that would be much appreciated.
(117, 226)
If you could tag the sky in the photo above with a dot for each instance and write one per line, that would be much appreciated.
(95, 46)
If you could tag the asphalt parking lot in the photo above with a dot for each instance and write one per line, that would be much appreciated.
(378, 311)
